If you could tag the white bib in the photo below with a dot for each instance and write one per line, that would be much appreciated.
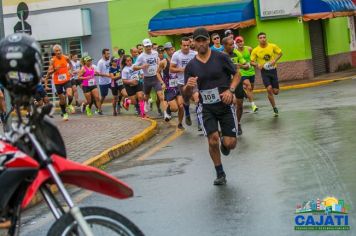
(135, 77)
(151, 70)
(91, 82)
(119, 82)
(62, 77)
(173, 83)
(210, 96)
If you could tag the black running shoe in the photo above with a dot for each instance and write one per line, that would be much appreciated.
(188, 120)
(180, 126)
(275, 111)
(220, 179)
(223, 149)
(239, 130)
(100, 113)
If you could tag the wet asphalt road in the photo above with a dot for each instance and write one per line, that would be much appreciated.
(306, 153)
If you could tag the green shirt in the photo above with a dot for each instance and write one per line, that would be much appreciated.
(236, 57)
(247, 57)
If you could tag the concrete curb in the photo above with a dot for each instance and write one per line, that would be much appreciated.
(307, 85)
(111, 154)
(123, 148)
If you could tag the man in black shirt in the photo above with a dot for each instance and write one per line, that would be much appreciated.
(212, 71)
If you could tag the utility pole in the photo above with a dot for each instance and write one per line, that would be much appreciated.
(2, 31)
(2, 35)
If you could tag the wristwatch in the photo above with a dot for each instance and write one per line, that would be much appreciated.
(232, 90)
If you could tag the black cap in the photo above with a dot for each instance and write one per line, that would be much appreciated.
(121, 51)
(201, 33)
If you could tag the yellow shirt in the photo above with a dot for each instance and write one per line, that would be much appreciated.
(266, 54)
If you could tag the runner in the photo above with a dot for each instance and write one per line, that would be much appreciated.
(172, 94)
(238, 60)
(117, 86)
(89, 86)
(228, 33)
(179, 61)
(139, 48)
(266, 56)
(148, 61)
(60, 66)
(216, 43)
(192, 45)
(134, 55)
(2, 105)
(211, 72)
(75, 82)
(131, 79)
(103, 68)
(248, 71)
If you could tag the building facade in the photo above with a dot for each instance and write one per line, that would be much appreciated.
(316, 36)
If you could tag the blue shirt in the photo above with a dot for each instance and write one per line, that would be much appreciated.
(221, 49)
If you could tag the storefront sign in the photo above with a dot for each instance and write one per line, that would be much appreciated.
(279, 9)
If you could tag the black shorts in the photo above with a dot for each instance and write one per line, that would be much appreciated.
(76, 82)
(270, 78)
(250, 78)
(132, 90)
(211, 116)
(171, 94)
(61, 88)
(88, 89)
(116, 89)
(239, 91)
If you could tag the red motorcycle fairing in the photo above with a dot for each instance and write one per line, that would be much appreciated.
(14, 158)
(82, 176)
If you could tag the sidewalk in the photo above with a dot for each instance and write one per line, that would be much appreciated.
(319, 80)
(86, 138)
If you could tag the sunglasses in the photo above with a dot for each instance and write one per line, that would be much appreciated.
(216, 38)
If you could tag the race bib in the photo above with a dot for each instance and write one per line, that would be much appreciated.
(135, 77)
(91, 82)
(151, 70)
(119, 82)
(173, 83)
(210, 96)
(62, 77)
(268, 66)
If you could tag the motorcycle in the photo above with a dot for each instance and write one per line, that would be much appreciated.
(32, 159)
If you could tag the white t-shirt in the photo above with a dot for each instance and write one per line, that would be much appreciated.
(103, 67)
(181, 60)
(75, 68)
(152, 60)
(130, 74)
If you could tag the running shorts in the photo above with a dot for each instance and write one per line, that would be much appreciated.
(151, 82)
(116, 89)
(61, 88)
(171, 94)
(88, 89)
(270, 78)
(213, 115)
(132, 90)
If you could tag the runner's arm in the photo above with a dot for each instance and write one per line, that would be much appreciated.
(80, 74)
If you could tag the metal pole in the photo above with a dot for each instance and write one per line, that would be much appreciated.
(2, 35)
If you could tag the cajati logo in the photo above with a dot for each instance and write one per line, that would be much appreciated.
(327, 214)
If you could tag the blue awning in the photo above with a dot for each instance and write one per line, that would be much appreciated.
(323, 9)
(213, 17)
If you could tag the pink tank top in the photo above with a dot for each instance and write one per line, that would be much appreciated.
(89, 72)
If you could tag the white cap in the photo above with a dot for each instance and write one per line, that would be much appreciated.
(146, 42)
